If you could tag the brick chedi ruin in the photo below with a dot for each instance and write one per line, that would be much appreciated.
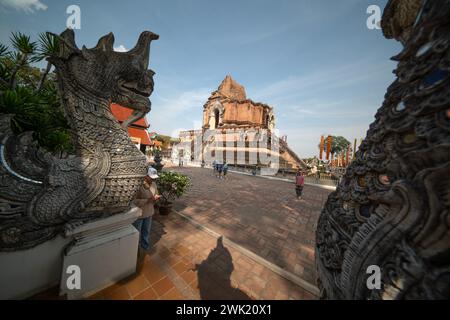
(229, 108)
(233, 125)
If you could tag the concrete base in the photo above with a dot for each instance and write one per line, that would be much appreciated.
(28, 272)
(104, 251)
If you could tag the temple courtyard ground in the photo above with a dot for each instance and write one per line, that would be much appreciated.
(244, 237)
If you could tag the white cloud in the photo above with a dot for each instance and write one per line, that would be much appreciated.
(304, 123)
(322, 80)
(315, 108)
(120, 48)
(184, 108)
(28, 6)
(307, 106)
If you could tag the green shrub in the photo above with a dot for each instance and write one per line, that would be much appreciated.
(39, 112)
(29, 94)
(172, 185)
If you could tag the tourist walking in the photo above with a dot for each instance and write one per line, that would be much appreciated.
(214, 165)
(145, 199)
(225, 169)
(219, 170)
(299, 183)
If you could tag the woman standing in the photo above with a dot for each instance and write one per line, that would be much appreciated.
(145, 199)
(299, 183)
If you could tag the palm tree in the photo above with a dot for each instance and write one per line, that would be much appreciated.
(25, 51)
(48, 46)
(3, 51)
(3, 72)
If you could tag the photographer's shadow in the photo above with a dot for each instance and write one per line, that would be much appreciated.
(214, 282)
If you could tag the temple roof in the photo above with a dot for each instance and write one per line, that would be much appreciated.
(123, 113)
(136, 129)
(231, 89)
(142, 135)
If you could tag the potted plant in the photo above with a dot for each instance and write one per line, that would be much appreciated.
(171, 185)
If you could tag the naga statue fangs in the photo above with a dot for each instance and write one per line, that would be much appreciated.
(39, 192)
(391, 211)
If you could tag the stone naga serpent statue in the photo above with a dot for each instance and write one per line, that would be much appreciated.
(392, 207)
(39, 192)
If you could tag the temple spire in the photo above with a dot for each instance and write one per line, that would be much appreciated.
(231, 89)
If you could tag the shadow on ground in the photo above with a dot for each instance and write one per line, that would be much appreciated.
(214, 275)
(157, 231)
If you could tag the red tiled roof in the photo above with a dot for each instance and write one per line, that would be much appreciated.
(123, 113)
(140, 133)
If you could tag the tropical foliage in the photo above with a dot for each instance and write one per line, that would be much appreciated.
(172, 185)
(338, 145)
(166, 140)
(29, 94)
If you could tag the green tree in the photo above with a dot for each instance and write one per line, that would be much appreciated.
(48, 46)
(30, 95)
(338, 144)
(40, 113)
(3, 70)
(165, 140)
(24, 54)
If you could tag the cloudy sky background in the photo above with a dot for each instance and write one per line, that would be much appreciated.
(314, 61)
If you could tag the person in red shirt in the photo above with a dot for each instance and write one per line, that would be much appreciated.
(299, 183)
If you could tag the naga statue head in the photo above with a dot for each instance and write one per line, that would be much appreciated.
(120, 77)
(399, 18)
(42, 194)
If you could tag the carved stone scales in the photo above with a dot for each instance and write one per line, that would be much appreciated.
(39, 192)
(392, 208)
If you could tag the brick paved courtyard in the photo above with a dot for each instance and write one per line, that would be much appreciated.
(188, 263)
(265, 230)
(259, 214)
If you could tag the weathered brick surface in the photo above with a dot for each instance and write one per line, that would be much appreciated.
(188, 263)
(259, 214)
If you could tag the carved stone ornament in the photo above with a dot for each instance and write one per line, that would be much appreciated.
(392, 207)
(40, 193)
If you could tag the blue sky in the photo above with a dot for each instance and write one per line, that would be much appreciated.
(314, 61)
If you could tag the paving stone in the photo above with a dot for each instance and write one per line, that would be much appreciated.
(148, 294)
(163, 286)
(173, 294)
(152, 272)
(120, 293)
(189, 276)
(137, 285)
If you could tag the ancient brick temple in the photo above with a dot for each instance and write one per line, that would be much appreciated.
(232, 130)
(228, 108)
